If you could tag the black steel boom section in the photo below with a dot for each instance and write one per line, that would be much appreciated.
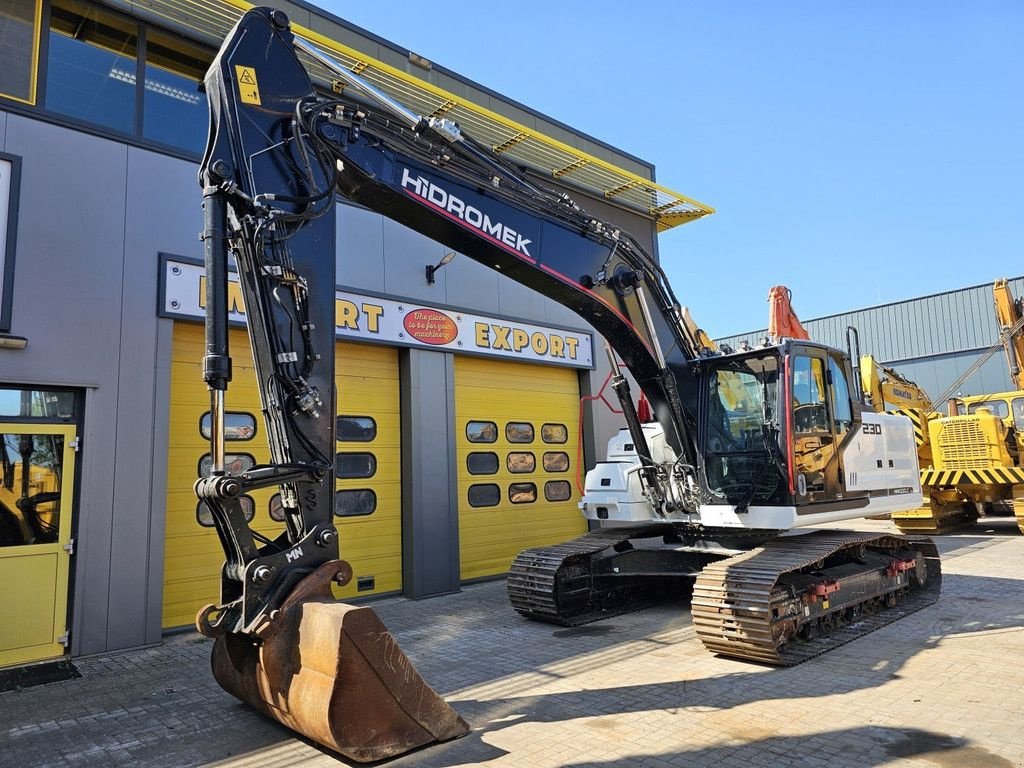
(277, 153)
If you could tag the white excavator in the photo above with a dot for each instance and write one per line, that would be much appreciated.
(743, 449)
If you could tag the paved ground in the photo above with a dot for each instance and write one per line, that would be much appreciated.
(941, 688)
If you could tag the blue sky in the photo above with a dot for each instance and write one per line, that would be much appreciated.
(857, 152)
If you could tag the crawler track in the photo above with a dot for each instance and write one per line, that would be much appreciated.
(555, 584)
(754, 605)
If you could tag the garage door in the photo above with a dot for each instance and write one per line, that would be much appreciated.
(368, 501)
(517, 440)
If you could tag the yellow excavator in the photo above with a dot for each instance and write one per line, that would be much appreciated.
(975, 467)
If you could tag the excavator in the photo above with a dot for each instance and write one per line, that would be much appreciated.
(975, 465)
(743, 447)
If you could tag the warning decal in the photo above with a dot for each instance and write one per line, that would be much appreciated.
(248, 88)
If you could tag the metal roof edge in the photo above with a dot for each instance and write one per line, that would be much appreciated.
(329, 16)
(881, 306)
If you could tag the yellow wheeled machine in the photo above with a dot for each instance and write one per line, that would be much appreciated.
(973, 464)
(976, 467)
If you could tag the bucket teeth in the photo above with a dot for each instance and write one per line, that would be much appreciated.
(334, 673)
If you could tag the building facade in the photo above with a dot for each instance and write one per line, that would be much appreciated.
(932, 340)
(461, 433)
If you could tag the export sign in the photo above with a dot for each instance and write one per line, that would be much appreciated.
(388, 321)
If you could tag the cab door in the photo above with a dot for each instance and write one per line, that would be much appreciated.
(814, 446)
(823, 420)
(36, 491)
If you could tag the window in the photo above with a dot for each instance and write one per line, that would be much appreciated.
(741, 423)
(42, 404)
(351, 465)
(557, 490)
(92, 65)
(519, 432)
(10, 194)
(842, 415)
(19, 48)
(234, 463)
(238, 425)
(480, 463)
(355, 503)
(554, 433)
(275, 508)
(556, 461)
(94, 74)
(1018, 413)
(31, 484)
(484, 495)
(356, 429)
(522, 493)
(481, 432)
(174, 108)
(205, 517)
(519, 462)
(998, 407)
(809, 413)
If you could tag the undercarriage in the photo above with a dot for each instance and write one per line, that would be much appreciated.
(756, 595)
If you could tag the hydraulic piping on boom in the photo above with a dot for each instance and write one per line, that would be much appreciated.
(744, 446)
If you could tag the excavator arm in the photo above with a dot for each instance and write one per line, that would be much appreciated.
(277, 154)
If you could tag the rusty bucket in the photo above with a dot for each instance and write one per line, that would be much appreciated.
(333, 672)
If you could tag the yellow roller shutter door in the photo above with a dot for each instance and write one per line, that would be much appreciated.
(517, 437)
(370, 534)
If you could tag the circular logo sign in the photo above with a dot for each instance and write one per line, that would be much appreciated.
(430, 326)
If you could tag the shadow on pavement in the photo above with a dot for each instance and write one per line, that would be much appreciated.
(864, 746)
(971, 605)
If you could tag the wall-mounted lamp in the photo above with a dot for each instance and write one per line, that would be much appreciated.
(7, 341)
(432, 268)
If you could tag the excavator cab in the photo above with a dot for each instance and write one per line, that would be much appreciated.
(744, 456)
(775, 424)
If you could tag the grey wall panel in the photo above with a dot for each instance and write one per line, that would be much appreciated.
(517, 300)
(3, 131)
(163, 213)
(406, 255)
(430, 516)
(936, 374)
(468, 283)
(67, 292)
(158, 488)
(360, 248)
(557, 314)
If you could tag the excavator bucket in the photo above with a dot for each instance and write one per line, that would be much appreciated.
(333, 673)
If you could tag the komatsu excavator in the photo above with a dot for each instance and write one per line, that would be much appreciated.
(744, 447)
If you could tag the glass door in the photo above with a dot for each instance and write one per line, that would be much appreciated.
(36, 491)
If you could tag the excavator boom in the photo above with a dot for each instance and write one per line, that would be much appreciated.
(1010, 316)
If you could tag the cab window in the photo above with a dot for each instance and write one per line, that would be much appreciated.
(1018, 413)
(997, 407)
(842, 414)
(809, 412)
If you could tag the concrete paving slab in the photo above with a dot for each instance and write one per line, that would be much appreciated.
(940, 688)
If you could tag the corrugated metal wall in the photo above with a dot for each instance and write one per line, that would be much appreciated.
(931, 340)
